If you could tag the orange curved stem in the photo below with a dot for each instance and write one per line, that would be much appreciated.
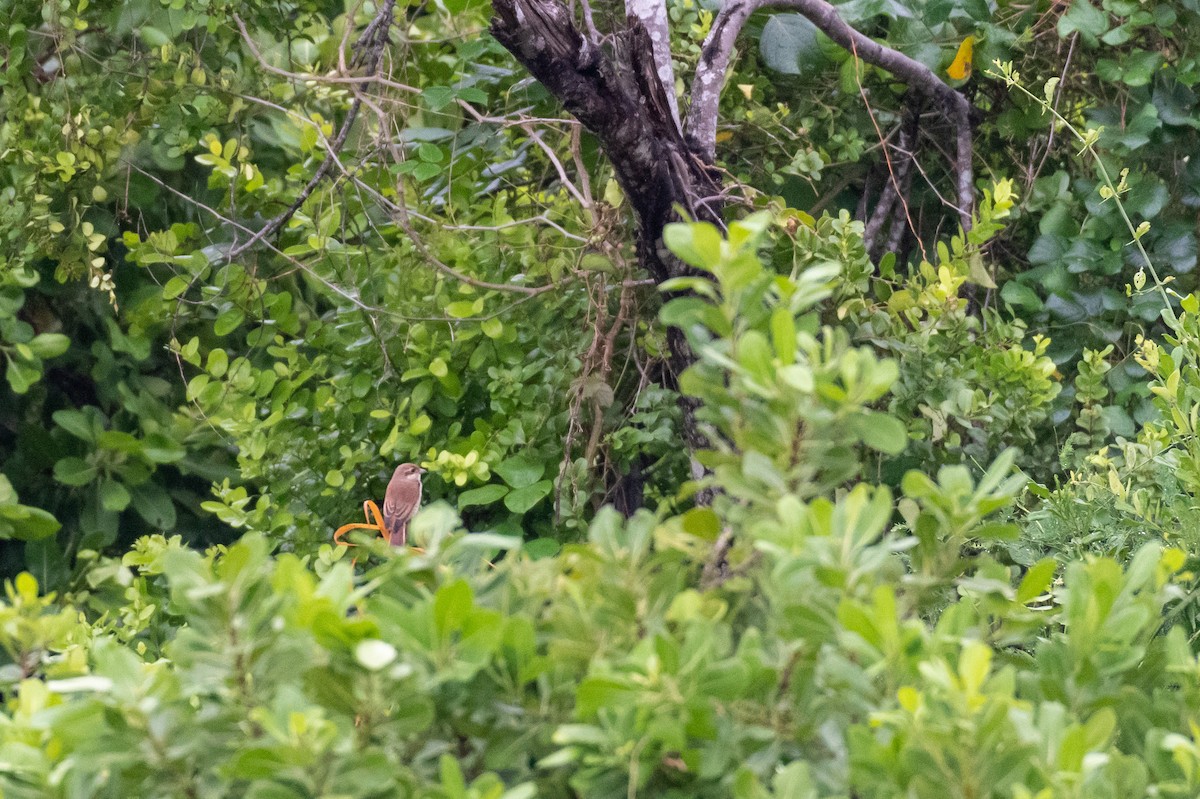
(369, 509)
(345, 528)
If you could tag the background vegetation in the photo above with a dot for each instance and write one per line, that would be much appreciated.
(820, 495)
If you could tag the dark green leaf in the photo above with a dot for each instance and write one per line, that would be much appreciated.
(520, 500)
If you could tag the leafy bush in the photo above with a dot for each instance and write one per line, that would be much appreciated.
(1148, 485)
(872, 606)
(833, 653)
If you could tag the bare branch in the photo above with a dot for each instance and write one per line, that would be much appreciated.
(716, 52)
(372, 42)
(553, 158)
(716, 568)
(709, 79)
(898, 176)
(231, 223)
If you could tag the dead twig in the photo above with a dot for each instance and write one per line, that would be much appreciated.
(370, 47)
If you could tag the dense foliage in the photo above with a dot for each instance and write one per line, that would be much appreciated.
(940, 541)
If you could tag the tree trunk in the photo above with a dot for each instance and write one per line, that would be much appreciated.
(627, 108)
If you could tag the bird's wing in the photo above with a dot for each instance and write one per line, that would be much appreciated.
(391, 513)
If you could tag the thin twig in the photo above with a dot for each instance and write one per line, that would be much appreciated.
(400, 213)
(311, 78)
(716, 568)
(341, 292)
(717, 50)
(1058, 93)
(558, 166)
(374, 39)
(893, 191)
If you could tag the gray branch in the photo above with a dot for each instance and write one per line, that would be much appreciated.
(709, 79)
(653, 16)
(718, 47)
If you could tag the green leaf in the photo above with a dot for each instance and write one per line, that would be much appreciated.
(1139, 67)
(49, 345)
(74, 472)
(789, 44)
(27, 523)
(451, 604)
(438, 97)
(484, 495)
(541, 548)
(520, 471)
(881, 432)
(453, 784)
(974, 664)
(175, 287)
(595, 693)
(521, 500)
(228, 321)
(22, 375)
(153, 37)
(703, 523)
(696, 243)
(492, 328)
(426, 171)
(119, 441)
(978, 273)
(81, 424)
(1036, 580)
(158, 448)
(794, 781)
(1015, 293)
(114, 496)
(154, 504)
(783, 335)
(218, 362)
(683, 312)
(754, 353)
(462, 309)
(1084, 17)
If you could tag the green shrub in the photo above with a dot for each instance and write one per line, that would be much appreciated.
(836, 641)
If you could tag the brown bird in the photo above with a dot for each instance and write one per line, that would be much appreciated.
(401, 501)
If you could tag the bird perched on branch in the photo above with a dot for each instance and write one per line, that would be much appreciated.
(401, 501)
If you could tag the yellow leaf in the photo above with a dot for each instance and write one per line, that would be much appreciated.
(613, 194)
(724, 136)
(960, 67)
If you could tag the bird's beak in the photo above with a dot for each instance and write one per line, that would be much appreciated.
(420, 470)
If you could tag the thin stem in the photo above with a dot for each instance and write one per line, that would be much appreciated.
(1108, 181)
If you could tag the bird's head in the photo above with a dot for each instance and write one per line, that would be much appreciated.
(408, 470)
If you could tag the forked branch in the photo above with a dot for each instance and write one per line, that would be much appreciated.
(717, 50)
(368, 54)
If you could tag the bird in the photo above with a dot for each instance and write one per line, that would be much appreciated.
(401, 502)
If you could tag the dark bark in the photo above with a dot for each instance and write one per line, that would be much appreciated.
(627, 109)
(892, 208)
(628, 491)
(626, 106)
